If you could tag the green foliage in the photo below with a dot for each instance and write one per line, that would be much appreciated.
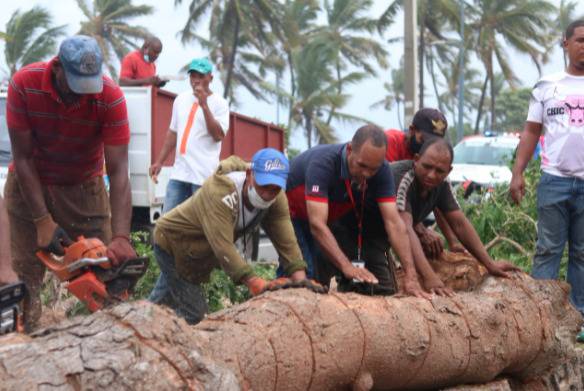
(512, 227)
(108, 21)
(30, 37)
(512, 109)
(221, 292)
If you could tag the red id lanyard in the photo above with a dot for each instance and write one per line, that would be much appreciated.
(358, 214)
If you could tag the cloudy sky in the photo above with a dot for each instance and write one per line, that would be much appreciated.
(168, 19)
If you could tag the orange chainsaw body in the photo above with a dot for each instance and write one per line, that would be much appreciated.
(87, 271)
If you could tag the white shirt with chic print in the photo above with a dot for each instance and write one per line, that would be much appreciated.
(199, 156)
(557, 102)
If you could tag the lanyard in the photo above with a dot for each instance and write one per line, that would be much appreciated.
(358, 214)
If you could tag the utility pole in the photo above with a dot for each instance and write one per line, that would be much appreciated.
(460, 125)
(410, 61)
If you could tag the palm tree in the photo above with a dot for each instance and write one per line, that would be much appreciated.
(565, 17)
(30, 37)
(394, 93)
(234, 25)
(435, 19)
(519, 23)
(108, 22)
(317, 93)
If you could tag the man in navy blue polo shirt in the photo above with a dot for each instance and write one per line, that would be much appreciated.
(328, 181)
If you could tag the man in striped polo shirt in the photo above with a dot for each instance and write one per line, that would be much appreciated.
(421, 188)
(64, 118)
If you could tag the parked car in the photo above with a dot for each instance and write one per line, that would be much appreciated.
(483, 160)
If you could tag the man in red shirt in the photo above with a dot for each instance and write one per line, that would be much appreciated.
(63, 118)
(138, 68)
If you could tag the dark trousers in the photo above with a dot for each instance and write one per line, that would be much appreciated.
(375, 253)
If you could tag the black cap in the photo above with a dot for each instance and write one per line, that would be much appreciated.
(430, 121)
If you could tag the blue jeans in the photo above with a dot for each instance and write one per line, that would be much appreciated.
(186, 299)
(560, 208)
(177, 192)
(307, 246)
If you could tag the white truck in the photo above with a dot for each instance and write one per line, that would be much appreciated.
(149, 113)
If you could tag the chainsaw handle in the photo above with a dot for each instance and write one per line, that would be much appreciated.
(53, 265)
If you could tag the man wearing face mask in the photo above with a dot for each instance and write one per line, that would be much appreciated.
(138, 68)
(199, 234)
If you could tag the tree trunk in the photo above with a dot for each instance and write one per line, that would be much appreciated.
(292, 89)
(299, 340)
(481, 103)
(492, 84)
(421, 53)
(231, 64)
(308, 124)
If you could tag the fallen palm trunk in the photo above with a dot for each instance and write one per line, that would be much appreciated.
(298, 340)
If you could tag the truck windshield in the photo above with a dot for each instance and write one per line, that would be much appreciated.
(486, 154)
(5, 153)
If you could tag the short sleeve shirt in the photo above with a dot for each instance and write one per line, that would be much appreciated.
(396, 146)
(197, 153)
(321, 174)
(557, 102)
(68, 139)
(134, 67)
(409, 198)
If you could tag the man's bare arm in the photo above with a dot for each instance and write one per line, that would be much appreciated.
(7, 274)
(529, 139)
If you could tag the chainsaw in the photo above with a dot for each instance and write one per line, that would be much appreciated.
(90, 274)
(11, 299)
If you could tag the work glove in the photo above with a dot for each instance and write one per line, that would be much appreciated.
(120, 250)
(51, 237)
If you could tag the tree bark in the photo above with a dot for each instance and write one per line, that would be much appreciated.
(481, 103)
(299, 340)
(231, 64)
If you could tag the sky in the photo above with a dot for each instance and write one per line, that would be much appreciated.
(168, 19)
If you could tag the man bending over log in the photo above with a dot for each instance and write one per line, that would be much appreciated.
(199, 234)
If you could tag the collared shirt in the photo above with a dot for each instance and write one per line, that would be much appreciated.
(319, 174)
(134, 67)
(68, 139)
(557, 102)
(396, 146)
(197, 152)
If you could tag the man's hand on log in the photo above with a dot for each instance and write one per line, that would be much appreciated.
(436, 286)
(457, 248)
(360, 274)
(431, 242)
(412, 288)
(501, 269)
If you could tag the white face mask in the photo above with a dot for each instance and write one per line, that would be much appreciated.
(146, 58)
(256, 201)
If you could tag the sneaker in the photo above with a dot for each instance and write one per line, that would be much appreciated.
(580, 336)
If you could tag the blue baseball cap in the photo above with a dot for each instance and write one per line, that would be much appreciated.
(270, 167)
(82, 60)
(201, 65)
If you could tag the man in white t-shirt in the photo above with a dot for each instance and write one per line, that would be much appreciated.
(557, 109)
(200, 120)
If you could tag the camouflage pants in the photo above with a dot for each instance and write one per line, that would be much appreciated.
(81, 209)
